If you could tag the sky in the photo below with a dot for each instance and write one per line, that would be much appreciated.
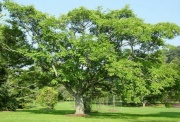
(151, 11)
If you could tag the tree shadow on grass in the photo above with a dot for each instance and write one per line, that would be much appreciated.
(110, 115)
(134, 116)
(48, 111)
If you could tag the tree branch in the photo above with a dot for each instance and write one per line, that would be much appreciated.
(9, 49)
(13, 85)
(55, 71)
(68, 88)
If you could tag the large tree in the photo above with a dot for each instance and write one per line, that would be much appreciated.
(79, 49)
(64, 48)
(140, 65)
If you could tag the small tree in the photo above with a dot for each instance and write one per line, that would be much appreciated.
(47, 97)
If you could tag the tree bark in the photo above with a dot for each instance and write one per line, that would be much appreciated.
(144, 103)
(79, 104)
(114, 101)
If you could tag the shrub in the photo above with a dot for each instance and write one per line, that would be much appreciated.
(168, 105)
(47, 97)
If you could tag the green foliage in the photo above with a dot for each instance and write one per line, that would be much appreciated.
(12, 63)
(3, 73)
(47, 97)
(172, 54)
(8, 100)
(168, 105)
(171, 94)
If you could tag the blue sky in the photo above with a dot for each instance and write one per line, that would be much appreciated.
(152, 11)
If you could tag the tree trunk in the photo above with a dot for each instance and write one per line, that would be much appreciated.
(144, 103)
(114, 101)
(79, 104)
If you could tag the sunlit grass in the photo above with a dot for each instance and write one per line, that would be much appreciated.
(105, 114)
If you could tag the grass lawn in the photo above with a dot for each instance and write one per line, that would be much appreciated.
(105, 114)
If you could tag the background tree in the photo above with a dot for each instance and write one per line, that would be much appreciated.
(171, 94)
(12, 63)
(139, 65)
(7, 96)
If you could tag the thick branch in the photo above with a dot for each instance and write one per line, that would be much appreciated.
(68, 88)
(55, 71)
(93, 82)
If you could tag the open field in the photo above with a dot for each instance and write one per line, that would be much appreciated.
(106, 114)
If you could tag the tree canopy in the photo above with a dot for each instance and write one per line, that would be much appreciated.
(86, 50)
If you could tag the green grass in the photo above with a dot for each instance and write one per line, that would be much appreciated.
(105, 114)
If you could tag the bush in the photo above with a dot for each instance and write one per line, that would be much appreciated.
(47, 97)
(8, 106)
(168, 105)
(8, 100)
